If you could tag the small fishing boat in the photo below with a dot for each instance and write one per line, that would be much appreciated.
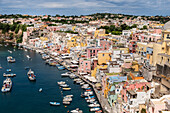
(9, 51)
(76, 111)
(40, 90)
(66, 103)
(61, 82)
(67, 99)
(95, 109)
(90, 100)
(28, 57)
(66, 89)
(9, 75)
(7, 85)
(64, 85)
(8, 70)
(72, 75)
(69, 95)
(66, 74)
(98, 111)
(57, 65)
(61, 67)
(10, 59)
(89, 97)
(54, 103)
(94, 105)
(31, 75)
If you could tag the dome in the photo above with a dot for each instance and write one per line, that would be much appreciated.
(167, 25)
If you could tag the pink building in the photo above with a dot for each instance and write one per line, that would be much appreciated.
(132, 86)
(84, 66)
(157, 31)
(105, 44)
(92, 51)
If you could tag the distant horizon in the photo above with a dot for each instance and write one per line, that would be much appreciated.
(80, 14)
(85, 7)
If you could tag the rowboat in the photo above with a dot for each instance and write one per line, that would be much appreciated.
(54, 103)
(66, 89)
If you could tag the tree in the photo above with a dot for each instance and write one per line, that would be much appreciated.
(144, 27)
(134, 26)
(143, 110)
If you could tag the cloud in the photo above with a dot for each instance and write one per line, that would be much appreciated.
(89, 6)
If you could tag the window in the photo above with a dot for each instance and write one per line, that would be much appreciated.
(103, 54)
(86, 64)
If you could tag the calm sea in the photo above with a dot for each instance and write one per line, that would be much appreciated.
(24, 96)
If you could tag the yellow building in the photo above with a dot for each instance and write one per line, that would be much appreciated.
(161, 50)
(104, 57)
(141, 48)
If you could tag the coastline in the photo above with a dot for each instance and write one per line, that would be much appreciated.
(102, 101)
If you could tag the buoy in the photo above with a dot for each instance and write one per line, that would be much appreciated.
(65, 106)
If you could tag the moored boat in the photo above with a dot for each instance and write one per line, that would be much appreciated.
(7, 85)
(61, 67)
(65, 74)
(66, 89)
(9, 75)
(95, 109)
(66, 103)
(61, 82)
(8, 70)
(54, 103)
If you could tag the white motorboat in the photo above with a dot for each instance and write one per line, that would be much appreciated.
(66, 74)
(94, 105)
(76, 111)
(95, 109)
(61, 82)
(7, 85)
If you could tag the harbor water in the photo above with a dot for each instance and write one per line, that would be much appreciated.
(25, 96)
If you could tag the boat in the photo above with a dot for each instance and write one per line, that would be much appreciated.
(40, 90)
(90, 100)
(8, 70)
(67, 99)
(72, 75)
(64, 85)
(76, 111)
(98, 111)
(66, 89)
(95, 109)
(66, 74)
(31, 75)
(61, 67)
(54, 103)
(7, 85)
(9, 75)
(94, 105)
(10, 59)
(9, 51)
(57, 65)
(66, 103)
(82, 83)
(28, 57)
(61, 82)
(69, 95)
(89, 97)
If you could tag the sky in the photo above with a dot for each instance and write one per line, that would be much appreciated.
(85, 7)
